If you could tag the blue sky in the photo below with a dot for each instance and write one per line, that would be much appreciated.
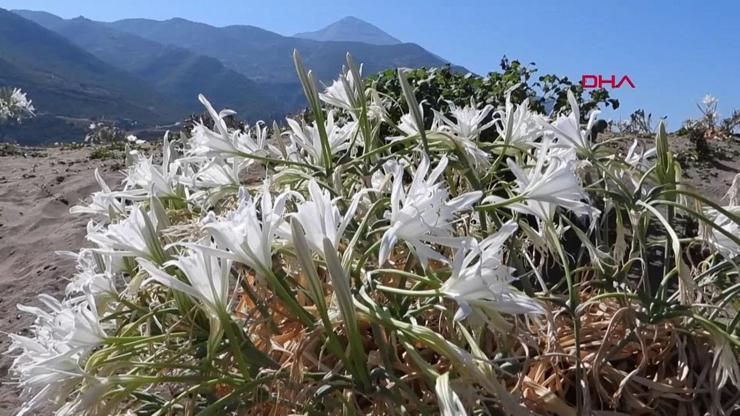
(675, 51)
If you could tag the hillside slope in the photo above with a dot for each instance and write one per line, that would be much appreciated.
(175, 72)
(62, 79)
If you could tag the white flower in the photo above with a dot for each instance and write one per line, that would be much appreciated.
(90, 278)
(321, 218)
(408, 125)
(637, 156)
(207, 275)
(134, 236)
(247, 235)
(423, 213)
(481, 279)
(551, 183)
(465, 130)
(105, 202)
(307, 137)
(47, 366)
(341, 93)
(144, 179)
(15, 105)
(225, 143)
(518, 126)
(468, 122)
(567, 129)
(67, 326)
(47, 377)
(721, 242)
(709, 100)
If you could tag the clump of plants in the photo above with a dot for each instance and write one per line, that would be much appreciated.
(110, 142)
(14, 105)
(438, 88)
(331, 268)
(710, 126)
(639, 123)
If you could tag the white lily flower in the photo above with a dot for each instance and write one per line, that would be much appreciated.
(90, 278)
(308, 139)
(207, 274)
(469, 121)
(134, 236)
(247, 235)
(721, 242)
(321, 218)
(46, 376)
(104, 202)
(551, 183)
(67, 326)
(567, 128)
(14, 104)
(225, 143)
(637, 156)
(423, 213)
(518, 125)
(341, 92)
(407, 125)
(465, 131)
(144, 178)
(481, 279)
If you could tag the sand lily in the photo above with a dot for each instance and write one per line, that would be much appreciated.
(549, 184)
(46, 376)
(469, 121)
(465, 131)
(247, 235)
(518, 126)
(90, 278)
(223, 142)
(320, 218)
(307, 137)
(637, 156)
(481, 279)
(134, 236)
(105, 203)
(724, 244)
(423, 214)
(341, 93)
(14, 104)
(68, 326)
(144, 179)
(207, 275)
(567, 128)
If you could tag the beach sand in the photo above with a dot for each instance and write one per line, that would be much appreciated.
(35, 196)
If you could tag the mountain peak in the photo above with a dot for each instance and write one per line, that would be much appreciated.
(351, 29)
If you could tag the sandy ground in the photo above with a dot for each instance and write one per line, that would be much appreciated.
(37, 192)
(35, 196)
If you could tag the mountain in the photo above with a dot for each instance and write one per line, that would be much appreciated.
(265, 56)
(64, 80)
(174, 72)
(351, 29)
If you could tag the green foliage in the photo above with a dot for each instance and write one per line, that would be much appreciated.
(437, 87)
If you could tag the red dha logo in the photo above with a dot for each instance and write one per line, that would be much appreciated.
(598, 81)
